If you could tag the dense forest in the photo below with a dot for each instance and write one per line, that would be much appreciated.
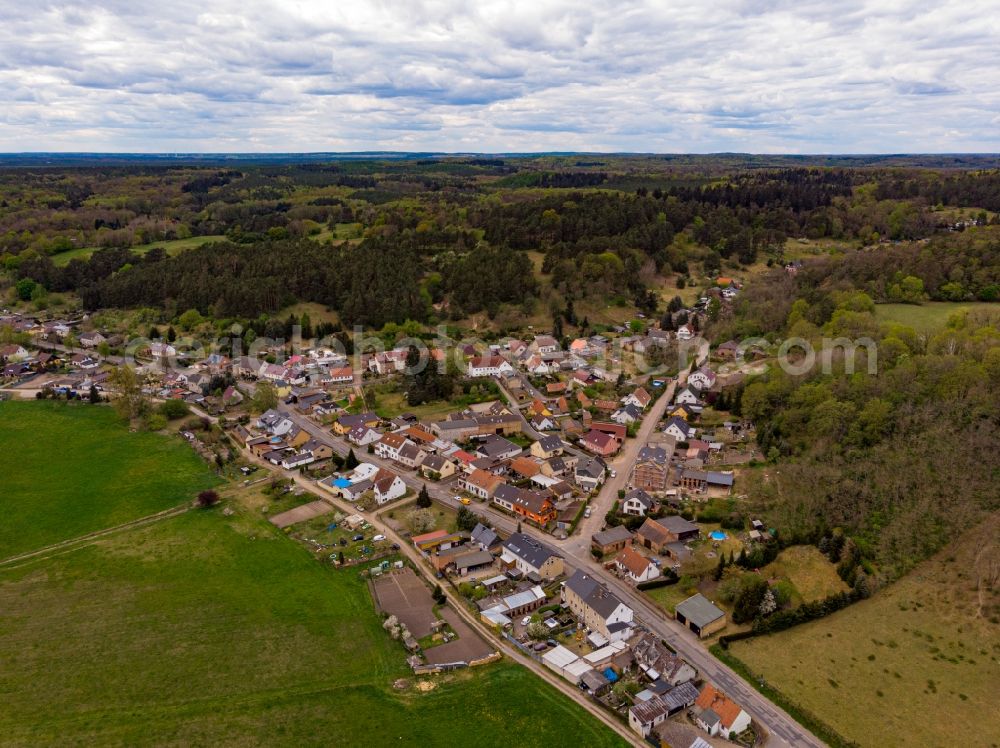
(443, 238)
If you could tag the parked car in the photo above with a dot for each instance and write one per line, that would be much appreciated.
(358, 537)
(465, 500)
(526, 620)
(378, 538)
(586, 513)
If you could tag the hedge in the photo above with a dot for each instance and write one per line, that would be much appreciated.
(668, 578)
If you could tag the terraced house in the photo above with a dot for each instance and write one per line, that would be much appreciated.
(532, 505)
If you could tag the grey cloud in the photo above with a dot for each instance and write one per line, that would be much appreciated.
(514, 76)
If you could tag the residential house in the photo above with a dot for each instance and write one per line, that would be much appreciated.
(640, 399)
(91, 339)
(341, 375)
(700, 615)
(678, 428)
(599, 443)
(410, 455)
(659, 663)
(627, 415)
(728, 350)
(14, 352)
(637, 503)
(686, 332)
(362, 435)
(532, 505)
(717, 714)
(530, 556)
(498, 448)
(386, 486)
(524, 467)
(596, 606)
(703, 378)
(690, 395)
(437, 467)
(543, 423)
(543, 344)
(275, 423)
(486, 538)
(388, 362)
(684, 410)
(346, 422)
(489, 366)
(651, 472)
(589, 473)
(389, 445)
(611, 540)
(645, 715)
(548, 446)
(634, 566)
(481, 483)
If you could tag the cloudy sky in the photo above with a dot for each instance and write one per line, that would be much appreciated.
(754, 75)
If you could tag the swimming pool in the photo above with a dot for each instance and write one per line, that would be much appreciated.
(717, 535)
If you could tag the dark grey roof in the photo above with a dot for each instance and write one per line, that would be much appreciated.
(594, 594)
(644, 498)
(699, 610)
(677, 524)
(496, 446)
(475, 558)
(650, 453)
(532, 552)
(548, 443)
(719, 479)
(680, 696)
(594, 680)
(484, 536)
(591, 468)
(611, 535)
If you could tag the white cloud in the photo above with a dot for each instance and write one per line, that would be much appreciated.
(747, 75)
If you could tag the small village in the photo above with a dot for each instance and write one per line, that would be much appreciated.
(556, 466)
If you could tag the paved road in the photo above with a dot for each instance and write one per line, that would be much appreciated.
(783, 730)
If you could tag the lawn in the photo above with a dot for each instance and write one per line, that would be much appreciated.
(809, 571)
(913, 662)
(205, 629)
(930, 316)
(172, 246)
(71, 469)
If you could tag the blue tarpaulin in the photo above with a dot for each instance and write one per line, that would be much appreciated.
(611, 675)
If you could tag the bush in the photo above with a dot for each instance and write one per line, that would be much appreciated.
(173, 409)
(208, 498)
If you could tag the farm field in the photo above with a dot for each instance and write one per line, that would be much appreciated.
(930, 316)
(71, 469)
(918, 655)
(172, 247)
(206, 629)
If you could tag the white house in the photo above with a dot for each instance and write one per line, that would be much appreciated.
(489, 366)
(717, 714)
(690, 395)
(275, 423)
(388, 487)
(634, 566)
(388, 446)
(703, 379)
(637, 503)
(596, 606)
(362, 435)
(678, 428)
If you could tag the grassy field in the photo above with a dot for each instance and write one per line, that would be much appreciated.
(809, 571)
(930, 316)
(172, 246)
(915, 665)
(205, 629)
(72, 469)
